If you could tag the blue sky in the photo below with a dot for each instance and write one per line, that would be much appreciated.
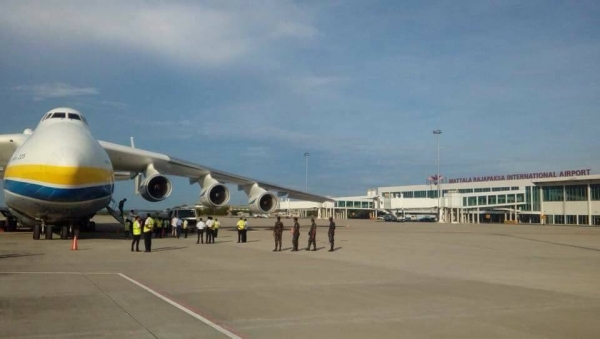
(249, 87)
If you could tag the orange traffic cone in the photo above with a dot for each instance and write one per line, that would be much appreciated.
(74, 245)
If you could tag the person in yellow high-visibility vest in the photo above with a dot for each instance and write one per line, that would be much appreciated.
(157, 227)
(241, 225)
(217, 225)
(148, 226)
(137, 233)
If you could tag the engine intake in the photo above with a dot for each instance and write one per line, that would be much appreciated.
(264, 202)
(156, 188)
(215, 195)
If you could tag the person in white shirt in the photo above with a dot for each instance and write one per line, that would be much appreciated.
(210, 237)
(174, 226)
(179, 224)
(200, 225)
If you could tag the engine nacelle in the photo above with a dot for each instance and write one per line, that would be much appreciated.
(156, 188)
(215, 195)
(263, 202)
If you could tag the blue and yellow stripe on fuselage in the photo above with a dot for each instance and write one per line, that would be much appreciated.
(59, 183)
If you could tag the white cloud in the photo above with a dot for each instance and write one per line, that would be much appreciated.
(56, 90)
(200, 34)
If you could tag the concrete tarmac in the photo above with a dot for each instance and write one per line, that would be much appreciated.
(385, 280)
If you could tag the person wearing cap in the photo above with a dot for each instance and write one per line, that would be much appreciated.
(278, 234)
(295, 235)
(312, 235)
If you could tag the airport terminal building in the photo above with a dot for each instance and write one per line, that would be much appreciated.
(558, 197)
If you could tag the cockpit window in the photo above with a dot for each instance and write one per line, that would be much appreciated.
(83, 118)
(59, 115)
(47, 116)
(74, 116)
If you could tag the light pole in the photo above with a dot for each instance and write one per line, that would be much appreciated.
(306, 155)
(437, 133)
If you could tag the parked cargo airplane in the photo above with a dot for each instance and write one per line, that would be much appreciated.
(60, 175)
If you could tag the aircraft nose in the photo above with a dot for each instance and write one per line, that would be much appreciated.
(68, 157)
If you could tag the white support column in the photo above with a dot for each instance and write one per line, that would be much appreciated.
(589, 201)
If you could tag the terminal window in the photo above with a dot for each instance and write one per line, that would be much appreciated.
(502, 199)
(472, 201)
(481, 200)
(583, 219)
(420, 194)
(571, 220)
(576, 192)
(595, 192)
(553, 193)
(492, 199)
(498, 189)
(510, 199)
(520, 197)
(514, 188)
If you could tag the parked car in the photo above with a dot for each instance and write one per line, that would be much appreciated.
(428, 219)
(389, 217)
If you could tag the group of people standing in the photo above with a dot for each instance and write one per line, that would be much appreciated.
(150, 225)
(212, 230)
(312, 235)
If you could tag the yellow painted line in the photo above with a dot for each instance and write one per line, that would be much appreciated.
(59, 175)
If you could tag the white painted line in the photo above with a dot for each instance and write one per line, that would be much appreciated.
(156, 294)
(73, 273)
(184, 309)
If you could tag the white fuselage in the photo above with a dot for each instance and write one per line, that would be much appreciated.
(60, 174)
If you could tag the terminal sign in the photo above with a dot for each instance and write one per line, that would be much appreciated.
(536, 175)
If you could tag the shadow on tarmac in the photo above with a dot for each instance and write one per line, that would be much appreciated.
(171, 248)
(17, 255)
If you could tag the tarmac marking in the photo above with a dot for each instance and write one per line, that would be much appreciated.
(208, 322)
(182, 308)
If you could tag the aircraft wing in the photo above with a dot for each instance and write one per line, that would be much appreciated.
(136, 160)
(8, 145)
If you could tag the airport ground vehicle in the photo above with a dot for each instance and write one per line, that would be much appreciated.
(389, 217)
(428, 219)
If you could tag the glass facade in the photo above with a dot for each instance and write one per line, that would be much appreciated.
(576, 192)
(510, 198)
(520, 197)
(571, 220)
(595, 192)
(491, 199)
(502, 199)
(499, 189)
(482, 200)
(472, 201)
(553, 193)
(583, 219)
(535, 197)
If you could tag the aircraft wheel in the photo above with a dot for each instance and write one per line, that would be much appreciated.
(49, 232)
(64, 232)
(36, 232)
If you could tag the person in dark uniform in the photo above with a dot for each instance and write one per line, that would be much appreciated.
(312, 235)
(295, 235)
(331, 233)
(121, 205)
(278, 234)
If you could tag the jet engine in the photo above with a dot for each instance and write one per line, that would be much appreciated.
(214, 195)
(263, 202)
(156, 188)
